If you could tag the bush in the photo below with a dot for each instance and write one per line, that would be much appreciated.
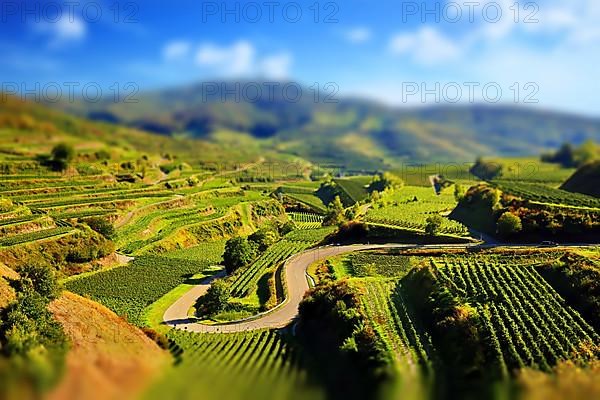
(61, 155)
(102, 226)
(264, 238)
(508, 224)
(433, 224)
(41, 278)
(239, 252)
(215, 300)
(6, 205)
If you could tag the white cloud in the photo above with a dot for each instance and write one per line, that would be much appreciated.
(358, 35)
(426, 46)
(63, 31)
(176, 50)
(241, 59)
(276, 66)
(238, 59)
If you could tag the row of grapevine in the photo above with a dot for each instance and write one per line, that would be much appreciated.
(33, 236)
(129, 289)
(546, 194)
(274, 256)
(528, 323)
(385, 306)
(259, 364)
(306, 220)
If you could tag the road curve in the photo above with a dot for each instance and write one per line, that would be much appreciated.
(295, 267)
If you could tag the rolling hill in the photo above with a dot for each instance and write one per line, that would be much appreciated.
(355, 133)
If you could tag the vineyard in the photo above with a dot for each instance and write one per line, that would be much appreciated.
(354, 189)
(410, 346)
(293, 243)
(306, 220)
(274, 256)
(259, 364)
(128, 290)
(410, 207)
(34, 236)
(547, 195)
(378, 265)
(309, 200)
(527, 324)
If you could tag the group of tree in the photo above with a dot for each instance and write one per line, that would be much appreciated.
(385, 181)
(570, 156)
(61, 155)
(241, 251)
(486, 170)
(351, 356)
(32, 344)
(520, 219)
(101, 225)
(215, 300)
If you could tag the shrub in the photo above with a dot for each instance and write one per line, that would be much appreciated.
(508, 224)
(61, 155)
(433, 224)
(101, 225)
(239, 252)
(215, 300)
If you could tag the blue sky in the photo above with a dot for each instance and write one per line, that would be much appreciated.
(392, 51)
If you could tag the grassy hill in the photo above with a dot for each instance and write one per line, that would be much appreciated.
(585, 180)
(109, 359)
(356, 134)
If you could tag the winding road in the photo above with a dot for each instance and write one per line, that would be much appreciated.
(296, 282)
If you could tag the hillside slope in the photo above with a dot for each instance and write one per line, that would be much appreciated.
(108, 359)
(585, 180)
(6, 292)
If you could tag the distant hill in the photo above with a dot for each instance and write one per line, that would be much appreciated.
(358, 133)
(29, 129)
(585, 180)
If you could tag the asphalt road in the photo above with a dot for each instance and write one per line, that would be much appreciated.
(296, 282)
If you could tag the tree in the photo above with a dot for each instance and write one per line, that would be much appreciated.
(459, 192)
(385, 181)
(335, 215)
(264, 238)
(287, 227)
(39, 278)
(215, 300)
(508, 224)
(62, 154)
(238, 253)
(433, 224)
(486, 170)
(102, 226)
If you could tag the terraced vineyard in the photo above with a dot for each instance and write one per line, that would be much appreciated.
(233, 365)
(291, 244)
(308, 199)
(388, 266)
(34, 236)
(410, 208)
(306, 220)
(386, 308)
(274, 256)
(354, 189)
(128, 290)
(527, 323)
